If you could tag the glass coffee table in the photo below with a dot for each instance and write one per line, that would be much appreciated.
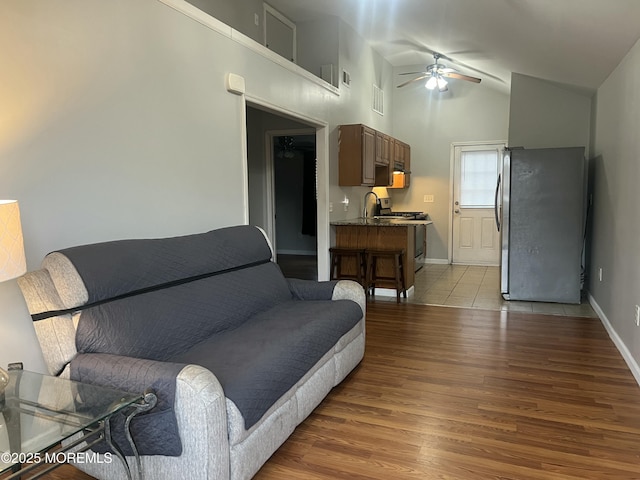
(47, 421)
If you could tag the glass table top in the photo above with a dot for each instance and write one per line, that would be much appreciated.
(39, 411)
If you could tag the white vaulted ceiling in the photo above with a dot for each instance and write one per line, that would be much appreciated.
(576, 42)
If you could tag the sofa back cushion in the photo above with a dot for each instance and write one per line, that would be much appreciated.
(154, 298)
(100, 271)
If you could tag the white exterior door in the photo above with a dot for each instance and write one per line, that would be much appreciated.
(475, 237)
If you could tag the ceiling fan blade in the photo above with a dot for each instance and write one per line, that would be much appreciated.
(413, 80)
(461, 77)
(412, 73)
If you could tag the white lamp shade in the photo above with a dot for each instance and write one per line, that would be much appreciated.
(431, 83)
(12, 259)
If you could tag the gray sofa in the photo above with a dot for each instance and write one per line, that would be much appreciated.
(249, 353)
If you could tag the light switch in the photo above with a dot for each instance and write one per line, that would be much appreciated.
(428, 199)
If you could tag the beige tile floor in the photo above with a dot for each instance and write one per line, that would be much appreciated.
(478, 287)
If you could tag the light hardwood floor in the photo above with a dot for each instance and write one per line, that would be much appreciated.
(453, 393)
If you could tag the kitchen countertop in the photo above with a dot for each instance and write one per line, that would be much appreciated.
(381, 222)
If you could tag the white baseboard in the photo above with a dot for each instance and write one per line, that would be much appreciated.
(622, 348)
(391, 292)
(296, 252)
(437, 261)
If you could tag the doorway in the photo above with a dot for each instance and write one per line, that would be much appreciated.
(284, 172)
(294, 167)
(475, 239)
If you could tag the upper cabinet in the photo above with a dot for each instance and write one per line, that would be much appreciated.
(367, 157)
(402, 165)
(383, 149)
(357, 155)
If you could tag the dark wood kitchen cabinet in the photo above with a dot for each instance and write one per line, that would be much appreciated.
(366, 157)
(357, 155)
(402, 160)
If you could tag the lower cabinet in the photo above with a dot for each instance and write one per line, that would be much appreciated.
(377, 237)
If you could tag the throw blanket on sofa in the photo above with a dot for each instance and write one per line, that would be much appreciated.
(156, 431)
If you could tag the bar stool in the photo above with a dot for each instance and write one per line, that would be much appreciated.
(396, 256)
(337, 256)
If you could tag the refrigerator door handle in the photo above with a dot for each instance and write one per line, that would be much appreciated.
(495, 205)
(505, 180)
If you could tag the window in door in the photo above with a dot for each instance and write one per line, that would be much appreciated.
(478, 174)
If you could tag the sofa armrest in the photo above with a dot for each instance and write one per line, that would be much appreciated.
(201, 415)
(311, 289)
(201, 412)
(350, 290)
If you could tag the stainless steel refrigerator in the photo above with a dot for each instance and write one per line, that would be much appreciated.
(540, 202)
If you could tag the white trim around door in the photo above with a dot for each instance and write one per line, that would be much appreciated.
(455, 209)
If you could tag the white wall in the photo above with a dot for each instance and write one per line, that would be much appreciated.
(115, 123)
(616, 216)
(544, 114)
(430, 122)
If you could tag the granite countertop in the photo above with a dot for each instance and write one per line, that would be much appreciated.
(381, 222)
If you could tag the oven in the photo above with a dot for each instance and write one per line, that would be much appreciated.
(421, 233)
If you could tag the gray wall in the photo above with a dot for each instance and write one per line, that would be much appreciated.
(616, 216)
(318, 44)
(430, 122)
(544, 114)
(365, 68)
(116, 123)
(239, 15)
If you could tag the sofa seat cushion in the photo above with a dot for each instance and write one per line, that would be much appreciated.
(263, 358)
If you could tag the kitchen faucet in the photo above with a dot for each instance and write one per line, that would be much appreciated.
(364, 212)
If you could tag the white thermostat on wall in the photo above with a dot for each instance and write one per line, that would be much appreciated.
(235, 84)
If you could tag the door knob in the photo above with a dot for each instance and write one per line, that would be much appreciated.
(457, 211)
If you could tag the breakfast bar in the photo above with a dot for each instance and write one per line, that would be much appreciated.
(381, 233)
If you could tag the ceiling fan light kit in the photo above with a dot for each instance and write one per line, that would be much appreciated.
(432, 82)
(435, 75)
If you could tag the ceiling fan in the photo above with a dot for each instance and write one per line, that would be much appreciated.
(436, 74)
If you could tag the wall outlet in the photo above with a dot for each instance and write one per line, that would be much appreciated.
(600, 274)
(330, 207)
(256, 19)
(428, 199)
(638, 315)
